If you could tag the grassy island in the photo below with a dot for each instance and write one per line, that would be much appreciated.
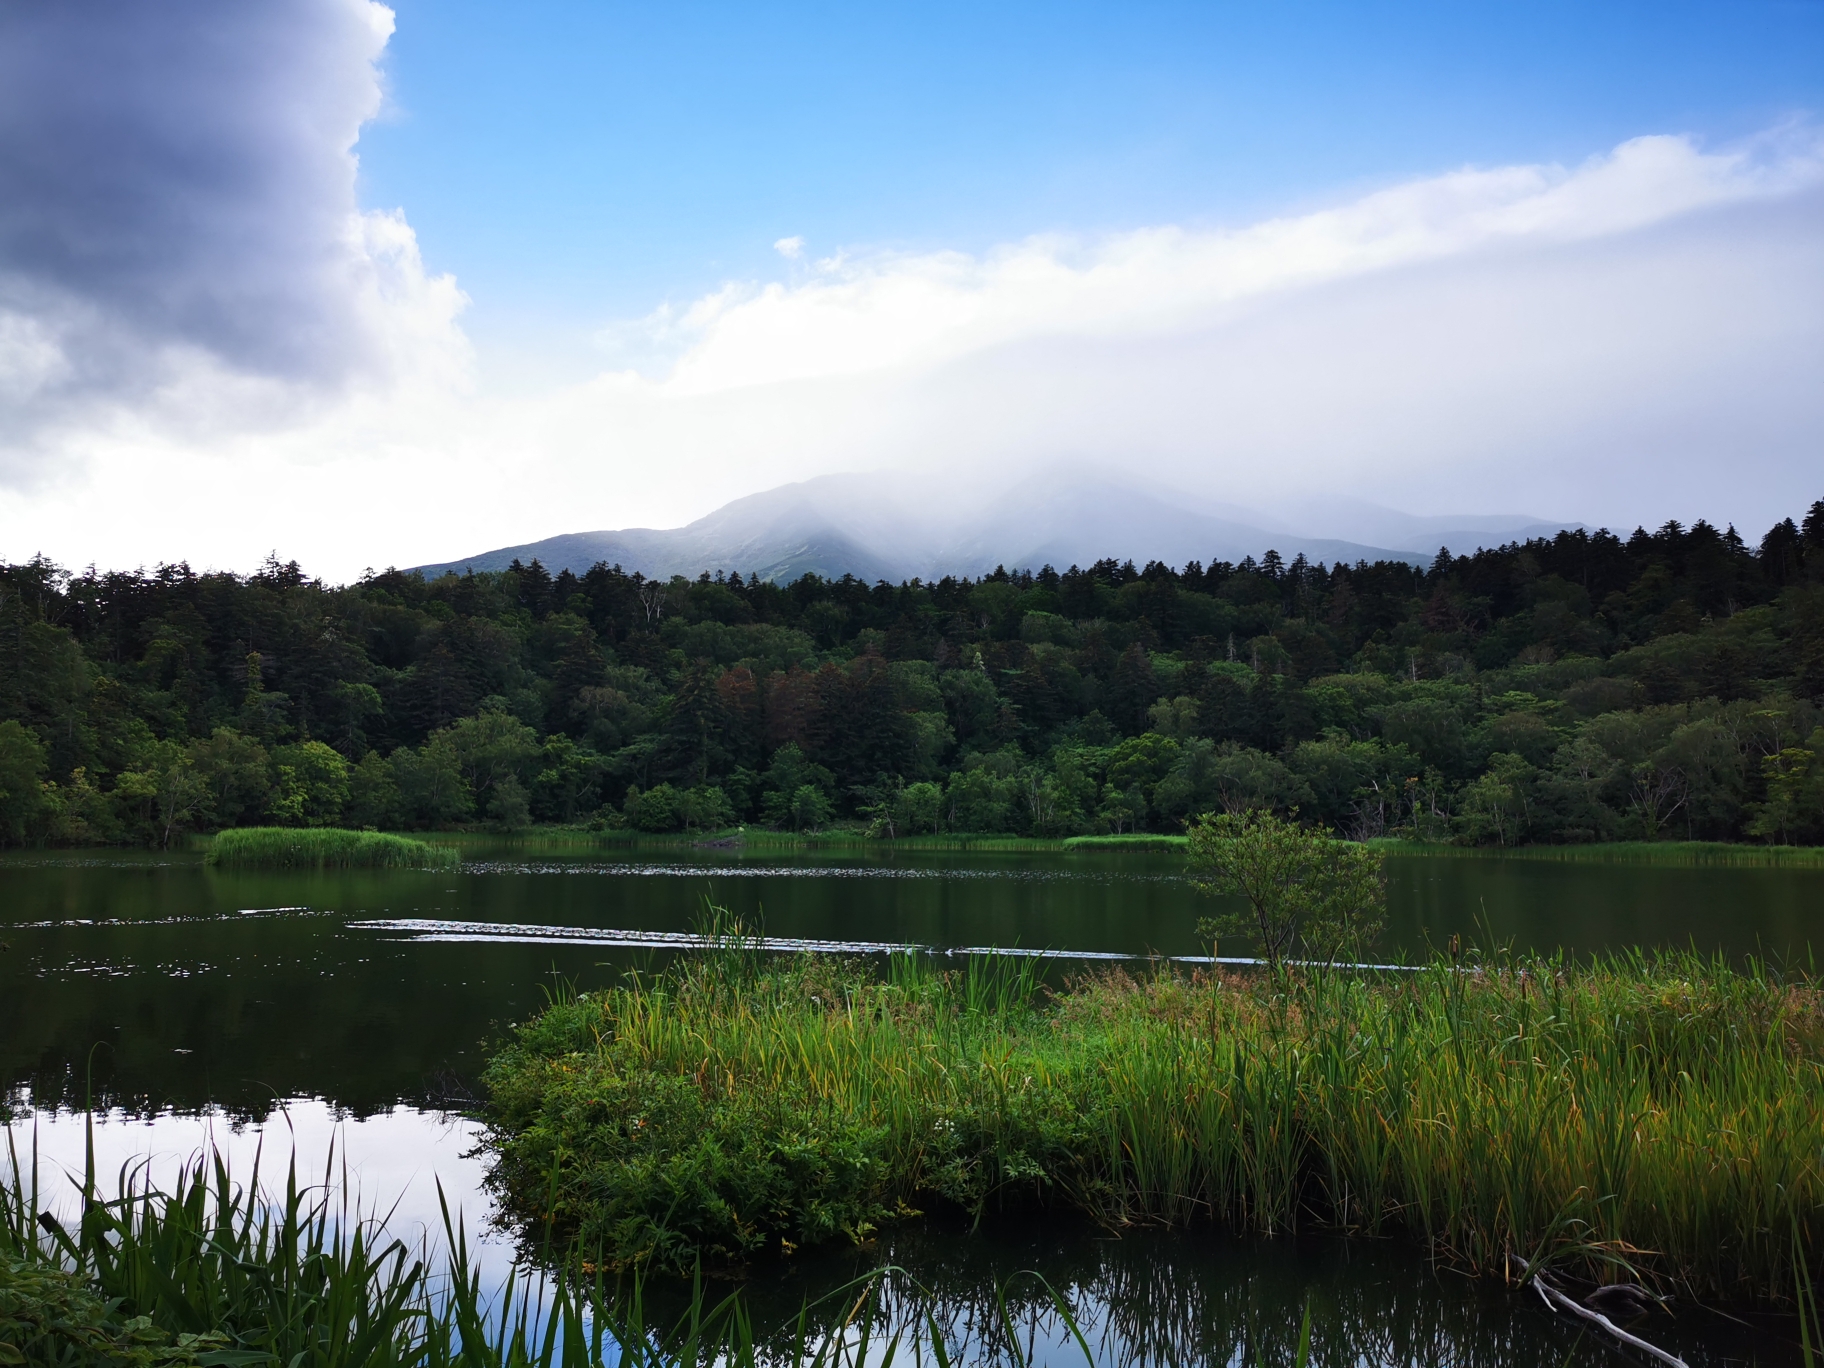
(325, 848)
(1665, 1112)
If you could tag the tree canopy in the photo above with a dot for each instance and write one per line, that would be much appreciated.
(1580, 687)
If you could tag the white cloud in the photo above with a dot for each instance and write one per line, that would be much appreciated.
(867, 313)
(791, 248)
(1633, 338)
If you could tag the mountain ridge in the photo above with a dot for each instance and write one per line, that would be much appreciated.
(886, 527)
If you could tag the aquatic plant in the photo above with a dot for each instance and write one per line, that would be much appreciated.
(1144, 842)
(326, 848)
(1665, 1113)
(217, 1273)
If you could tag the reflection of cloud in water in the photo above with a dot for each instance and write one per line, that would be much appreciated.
(391, 1162)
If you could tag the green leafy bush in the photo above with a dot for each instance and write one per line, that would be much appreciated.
(52, 1318)
(1304, 890)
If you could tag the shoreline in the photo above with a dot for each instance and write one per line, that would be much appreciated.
(738, 839)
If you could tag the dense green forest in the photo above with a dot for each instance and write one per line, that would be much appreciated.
(1586, 687)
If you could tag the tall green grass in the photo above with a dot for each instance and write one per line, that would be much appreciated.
(1664, 1113)
(1140, 842)
(326, 848)
(217, 1273)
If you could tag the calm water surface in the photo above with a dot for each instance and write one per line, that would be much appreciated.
(197, 1001)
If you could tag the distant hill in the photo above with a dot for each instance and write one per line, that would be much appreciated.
(887, 527)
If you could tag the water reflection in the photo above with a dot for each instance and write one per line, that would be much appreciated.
(1144, 1296)
(390, 1161)
(229, 988)
(196, 1000)
(1204, 1298)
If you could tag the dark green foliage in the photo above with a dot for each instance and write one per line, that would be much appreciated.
(703, 1169)
(21, 780)
(1571, 689)
(50, 1318)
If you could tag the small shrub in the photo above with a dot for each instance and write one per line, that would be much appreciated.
(1303, 888)
(655, 810)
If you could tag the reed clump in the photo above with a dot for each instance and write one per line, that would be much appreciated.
(213, 1273)
(1143, 842)
(1663, 1112)
(326, 848)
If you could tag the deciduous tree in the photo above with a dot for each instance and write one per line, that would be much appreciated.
(1302, 889)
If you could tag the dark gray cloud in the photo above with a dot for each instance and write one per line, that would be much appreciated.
(177, 191)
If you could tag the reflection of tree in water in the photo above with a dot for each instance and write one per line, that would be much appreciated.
(1157, 1298)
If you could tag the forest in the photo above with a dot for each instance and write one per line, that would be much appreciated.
(1586, 687)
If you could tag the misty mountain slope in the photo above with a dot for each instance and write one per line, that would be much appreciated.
(1047, 524)
(1359, 520)
(890, 527)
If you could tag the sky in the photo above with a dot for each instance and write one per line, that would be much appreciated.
(367, 286)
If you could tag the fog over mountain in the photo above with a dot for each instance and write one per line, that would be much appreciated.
(890, 527)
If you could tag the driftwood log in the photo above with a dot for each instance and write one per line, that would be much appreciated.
(1557, 1300)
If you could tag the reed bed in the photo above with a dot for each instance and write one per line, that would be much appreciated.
(1663, 1113)
(326, 848)
(1142, 842)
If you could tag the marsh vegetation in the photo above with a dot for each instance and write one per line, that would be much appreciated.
(1164, 1107)
(325, 848)
(1660, 1113)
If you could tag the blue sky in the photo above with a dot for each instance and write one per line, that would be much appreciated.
(571, 162)
(511, 271)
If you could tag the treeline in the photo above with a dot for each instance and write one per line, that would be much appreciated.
(1580, 688)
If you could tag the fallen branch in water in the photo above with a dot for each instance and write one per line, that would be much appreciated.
(1553, 1297)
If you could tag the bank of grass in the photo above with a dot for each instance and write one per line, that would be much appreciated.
(764, 839)
(325, 848)
(1677, 853)
(1674, 853)
(1666, 1113)
(1144, 841)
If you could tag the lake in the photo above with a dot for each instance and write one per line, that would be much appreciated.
(191, 1000)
